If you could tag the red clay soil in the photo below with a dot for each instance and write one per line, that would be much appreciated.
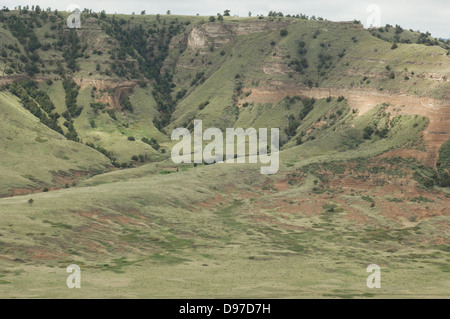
(23, 191)
(60, 179)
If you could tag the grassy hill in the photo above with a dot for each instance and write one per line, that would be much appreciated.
(38, 157)
(86, 121)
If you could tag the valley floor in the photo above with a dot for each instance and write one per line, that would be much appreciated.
(296, 234)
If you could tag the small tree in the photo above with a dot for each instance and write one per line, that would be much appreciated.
(226, 13)
(283, 32)
(168, 12)
(30, 201)
(143, 13)
(249, 13)
(394, 46)
(368, 131)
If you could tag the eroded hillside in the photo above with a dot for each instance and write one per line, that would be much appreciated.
(85, 133)
(137, 77)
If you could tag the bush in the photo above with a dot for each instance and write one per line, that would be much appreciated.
(283, 32)
(152, 142)
(382, 133)
(394, 46)
(202, 105)
(368, 131)
(131, 138)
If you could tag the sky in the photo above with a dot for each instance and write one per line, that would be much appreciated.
(429, 15)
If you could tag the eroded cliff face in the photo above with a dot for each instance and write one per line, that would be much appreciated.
(197, 39)
(206, 34)
(437, 111)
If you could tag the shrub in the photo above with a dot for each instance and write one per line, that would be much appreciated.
(131, 138)
(368, 131)
(202, 105)
(283, 32)
(152, 142)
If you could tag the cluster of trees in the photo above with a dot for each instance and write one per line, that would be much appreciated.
(37, 102)
(275, 14)
(152, 142)
(140, 158)
(308, 105)
(105, 152)
(71, 89)
(424, 38)
(150, 47)
(72, 49)
(199, 77)
(97, 106)
(370, 130)
(22, 29)
(22, 26)
(125, 103)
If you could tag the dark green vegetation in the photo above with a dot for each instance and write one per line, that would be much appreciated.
(85, 138)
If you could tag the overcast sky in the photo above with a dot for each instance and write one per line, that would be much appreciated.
(429, 15)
